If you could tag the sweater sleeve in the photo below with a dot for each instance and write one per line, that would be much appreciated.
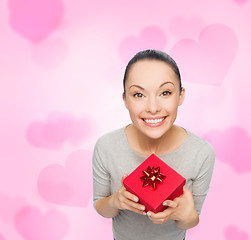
(201, 183)
(101, 177)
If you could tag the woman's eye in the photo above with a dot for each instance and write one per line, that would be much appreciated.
(138, 95)
(165, 93)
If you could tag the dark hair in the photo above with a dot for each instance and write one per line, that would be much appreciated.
(152, 55)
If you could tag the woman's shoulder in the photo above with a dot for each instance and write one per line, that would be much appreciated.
(200, 143)
(112, 138)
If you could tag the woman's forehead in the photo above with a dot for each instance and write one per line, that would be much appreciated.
(153, 72)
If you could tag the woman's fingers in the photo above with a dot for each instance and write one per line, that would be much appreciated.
(132, 206)
(181, 208)
(131, 196)
(129, 201)
(157, 218)
(187, 193)
(132, 201)
(135, 208)
(170, 203)
(161, 217)
(122, 179)
(125, 194)
(136, 205)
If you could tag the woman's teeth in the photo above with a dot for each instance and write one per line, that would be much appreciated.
(154, 121)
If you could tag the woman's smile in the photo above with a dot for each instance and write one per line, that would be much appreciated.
(154, 122)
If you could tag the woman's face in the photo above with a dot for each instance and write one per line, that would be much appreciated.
(152, 97)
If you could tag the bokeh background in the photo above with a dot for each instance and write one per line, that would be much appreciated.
(61, 70)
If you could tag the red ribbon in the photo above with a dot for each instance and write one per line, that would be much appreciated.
(152, 176)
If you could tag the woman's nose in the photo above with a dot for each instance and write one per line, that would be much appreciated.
(153, 105)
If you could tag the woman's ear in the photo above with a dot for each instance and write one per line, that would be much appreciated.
(124, 99)
(182, 96)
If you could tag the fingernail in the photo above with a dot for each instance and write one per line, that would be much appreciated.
(144, 213)
(142, 207)
(164, 203)
(148, 214)
(136, 199)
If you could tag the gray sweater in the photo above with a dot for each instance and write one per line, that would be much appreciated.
(113, 157)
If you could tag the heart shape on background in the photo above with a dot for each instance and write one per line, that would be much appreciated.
(207, 60)
(233, 233)
(240, 2)
(9, 206)
(49, 53)
(58, 129)
(150, 38)
(185, 27)
(232, 146)
(32, 224)
(70, 185)
(35, 19)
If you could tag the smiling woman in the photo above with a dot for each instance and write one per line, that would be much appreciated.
(152, 95)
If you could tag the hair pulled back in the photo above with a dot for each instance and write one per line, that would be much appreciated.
(151, 54)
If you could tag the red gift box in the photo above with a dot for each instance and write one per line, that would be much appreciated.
(153, 182)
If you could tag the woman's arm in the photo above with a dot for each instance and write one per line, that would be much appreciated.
(186, 214)
(109, 206)
(105, 207)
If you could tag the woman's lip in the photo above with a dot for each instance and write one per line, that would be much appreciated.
(157, 124)
(153, 118)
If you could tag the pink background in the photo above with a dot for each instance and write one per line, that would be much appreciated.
(61, 70)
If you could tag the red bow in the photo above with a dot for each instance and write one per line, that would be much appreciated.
(152, 176)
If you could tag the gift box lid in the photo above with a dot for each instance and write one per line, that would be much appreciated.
(164, 190)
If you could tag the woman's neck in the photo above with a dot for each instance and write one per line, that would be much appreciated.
(146, 146)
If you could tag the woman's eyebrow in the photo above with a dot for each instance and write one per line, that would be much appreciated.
(137, 87)
(134, 85)
(165, 83)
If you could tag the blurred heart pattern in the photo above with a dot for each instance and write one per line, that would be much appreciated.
(232, 146)
(50, 53)
(58, 129)
(69, 185)
(186, 27)
(32, 224)
(9, 206)
(240, 2)
(35, 20)
(150, 37)
(207, 60)
(233, 233)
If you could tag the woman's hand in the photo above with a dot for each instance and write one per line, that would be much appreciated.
(181, 209)
(126, 200)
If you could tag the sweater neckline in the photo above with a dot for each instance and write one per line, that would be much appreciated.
(129, 147)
